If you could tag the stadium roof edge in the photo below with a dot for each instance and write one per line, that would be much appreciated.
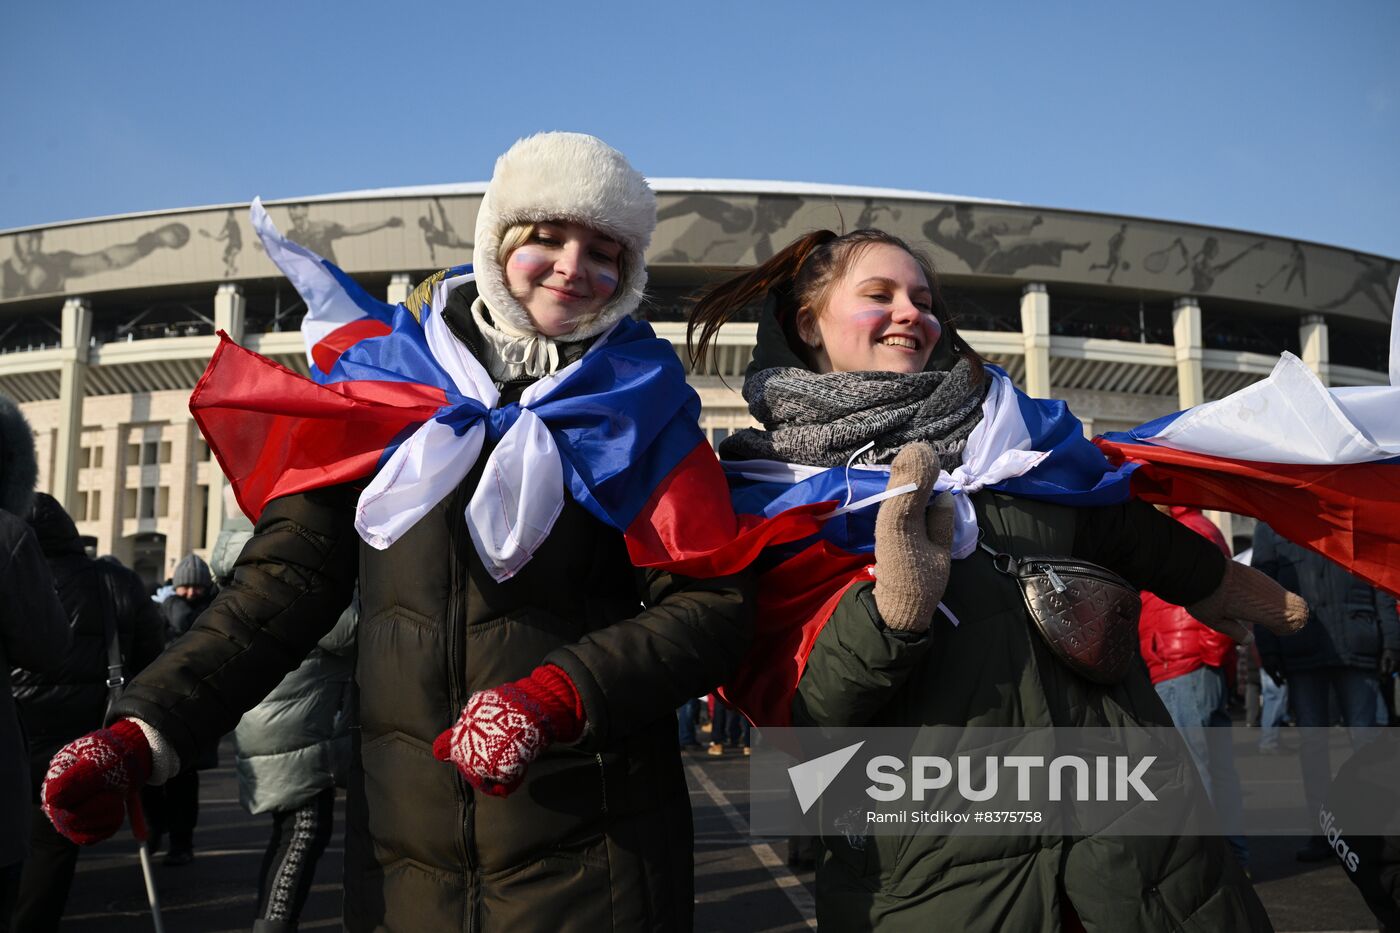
(698, 185)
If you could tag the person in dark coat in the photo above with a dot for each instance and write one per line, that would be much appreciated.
(516, 764)
(59, 705)
(34, 636)
(173, 808)
(1359, 821)
(1352, 638)
(856, 360)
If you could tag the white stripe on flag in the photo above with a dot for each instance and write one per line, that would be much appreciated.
(1291, 417)
(328, 307)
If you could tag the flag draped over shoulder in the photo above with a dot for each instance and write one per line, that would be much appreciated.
(406, 408)
(1321, 466)
(1022, 446)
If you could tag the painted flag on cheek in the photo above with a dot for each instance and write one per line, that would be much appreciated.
(1321, 466)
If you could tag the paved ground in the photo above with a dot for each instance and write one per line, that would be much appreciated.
(742, 882)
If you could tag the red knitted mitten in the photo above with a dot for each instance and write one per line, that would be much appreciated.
(88, 782)
(504, 729)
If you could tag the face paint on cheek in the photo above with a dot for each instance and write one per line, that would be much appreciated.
(606, 281)
(872, 319)
(530, 262)
(933, 328)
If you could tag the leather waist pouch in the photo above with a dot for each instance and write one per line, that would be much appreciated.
(1087, 614)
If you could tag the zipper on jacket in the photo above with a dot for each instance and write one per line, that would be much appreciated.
(456, 667)
(602, 779)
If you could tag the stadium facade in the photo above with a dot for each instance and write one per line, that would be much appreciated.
(106, 324)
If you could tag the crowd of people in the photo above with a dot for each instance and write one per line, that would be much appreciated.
(491, 670)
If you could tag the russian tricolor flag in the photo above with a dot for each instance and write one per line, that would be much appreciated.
(1321, 466)
(400, 404)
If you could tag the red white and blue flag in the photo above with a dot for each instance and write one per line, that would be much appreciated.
(1321, 466)
(406, 408)
(1021, 446)
(403, 407)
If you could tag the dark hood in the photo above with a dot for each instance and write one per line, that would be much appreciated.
(18, 466)
(54, 527)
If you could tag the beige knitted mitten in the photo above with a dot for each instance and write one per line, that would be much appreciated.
(1245, 598)
(912, 542)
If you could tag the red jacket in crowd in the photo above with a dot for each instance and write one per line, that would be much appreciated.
(1173, 642)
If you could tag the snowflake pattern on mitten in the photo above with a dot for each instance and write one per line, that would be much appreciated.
(499, 733)
(89, 779)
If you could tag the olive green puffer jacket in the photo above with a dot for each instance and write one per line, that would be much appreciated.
(993, 669)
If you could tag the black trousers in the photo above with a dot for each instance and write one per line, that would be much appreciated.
(172, 810)
(9, 890)
(299, 837)
(46, 879)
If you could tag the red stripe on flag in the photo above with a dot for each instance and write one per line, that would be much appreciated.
(1349, 513)
(275, 432)
(688, 525)
(328, 349)
(795, 600)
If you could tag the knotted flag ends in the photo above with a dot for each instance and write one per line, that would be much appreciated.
(398, 403)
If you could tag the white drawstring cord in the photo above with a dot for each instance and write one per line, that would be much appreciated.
(849, 506)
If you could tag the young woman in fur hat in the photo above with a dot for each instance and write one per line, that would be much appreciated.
(856, 358)
(517, 759)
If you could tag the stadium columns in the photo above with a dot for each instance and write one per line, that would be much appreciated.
(76, 332)
(1312, 339)
(229, 315)
(1186, 334)
(229, 310)
(1035, 329)
(1190, 376)
(400, 285)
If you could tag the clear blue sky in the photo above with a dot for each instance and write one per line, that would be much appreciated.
(1279, 116)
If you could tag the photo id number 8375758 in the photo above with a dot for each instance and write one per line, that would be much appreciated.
(1007, 816)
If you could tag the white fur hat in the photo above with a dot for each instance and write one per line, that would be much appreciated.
(565, 176)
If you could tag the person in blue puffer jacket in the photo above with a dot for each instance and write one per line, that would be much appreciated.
(293, 750)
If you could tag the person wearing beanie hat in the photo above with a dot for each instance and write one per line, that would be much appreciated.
(173, 808)
(516, 766)
(194, 591)
(192, 571)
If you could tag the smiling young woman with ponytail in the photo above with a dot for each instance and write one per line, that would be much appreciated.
(857, 360)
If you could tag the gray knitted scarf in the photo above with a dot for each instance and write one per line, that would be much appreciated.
(822, 419)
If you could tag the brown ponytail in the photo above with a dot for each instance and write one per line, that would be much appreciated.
(726, 299)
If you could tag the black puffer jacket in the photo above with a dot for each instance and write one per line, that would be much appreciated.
(599, 835)
(68, 701)
(33, 632)
(1350, 622)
